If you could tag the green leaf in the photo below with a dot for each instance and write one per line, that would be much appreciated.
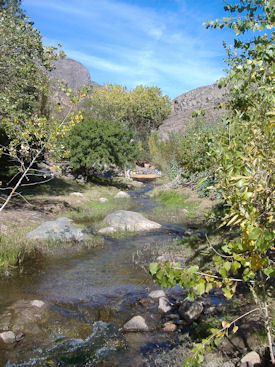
(254, 234)
(270, 271)
(235, 266)
(227, 293)
(154, 268)
(200, 288)
(227, 265)
(223, 272)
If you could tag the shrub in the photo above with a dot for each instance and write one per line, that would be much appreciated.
(91, 145)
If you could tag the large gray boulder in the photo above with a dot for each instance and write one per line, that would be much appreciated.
(128, 221)
(59, 229)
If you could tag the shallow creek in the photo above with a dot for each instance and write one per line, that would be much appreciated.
(91, 295)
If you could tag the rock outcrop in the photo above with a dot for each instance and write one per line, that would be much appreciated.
(182, 107)
(73, 73)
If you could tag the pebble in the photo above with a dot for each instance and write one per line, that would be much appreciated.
(137, 323)
(103, 200)
(164, 305)
(169, 327)
(250, 359)
(38, 303)
(8, 337)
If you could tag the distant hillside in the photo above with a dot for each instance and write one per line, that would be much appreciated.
(206, 98)
(74, 75)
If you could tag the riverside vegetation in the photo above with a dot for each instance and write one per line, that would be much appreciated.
(232, 161)
(239, 160)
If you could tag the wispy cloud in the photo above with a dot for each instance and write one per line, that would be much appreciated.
(130, 44)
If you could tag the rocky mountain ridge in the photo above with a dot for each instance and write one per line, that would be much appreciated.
(73, 73)
(206, 98)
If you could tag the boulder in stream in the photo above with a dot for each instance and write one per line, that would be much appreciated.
(128, 221)
(24, 316)
(59, 229)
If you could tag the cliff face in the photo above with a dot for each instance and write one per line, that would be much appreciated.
(74, 75)
(206, 98)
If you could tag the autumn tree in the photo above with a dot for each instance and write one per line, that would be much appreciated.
(28, 131)
(143, 108)
(245, 171)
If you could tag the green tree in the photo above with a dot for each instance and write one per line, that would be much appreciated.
(93, 145)
(13, 6)
(245, 170)
(24, 62)
(147, 110)
(143, 108)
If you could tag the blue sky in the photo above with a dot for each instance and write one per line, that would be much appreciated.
(130, 42)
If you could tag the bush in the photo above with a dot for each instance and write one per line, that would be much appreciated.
(93, 145)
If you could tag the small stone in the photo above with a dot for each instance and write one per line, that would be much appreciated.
(137, 323)
(250, 359)
(38, 303)
(145, 301)
(169, 327)
(76, 194)
(122, 194)
(190, 310)
(8, 337)
(157, 294)
(164, 305)
(103, 200)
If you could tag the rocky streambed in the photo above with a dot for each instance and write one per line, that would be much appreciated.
(95, 308)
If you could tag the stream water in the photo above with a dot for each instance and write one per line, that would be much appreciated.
(91, 295)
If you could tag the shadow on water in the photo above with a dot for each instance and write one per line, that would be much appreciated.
(91, 295)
